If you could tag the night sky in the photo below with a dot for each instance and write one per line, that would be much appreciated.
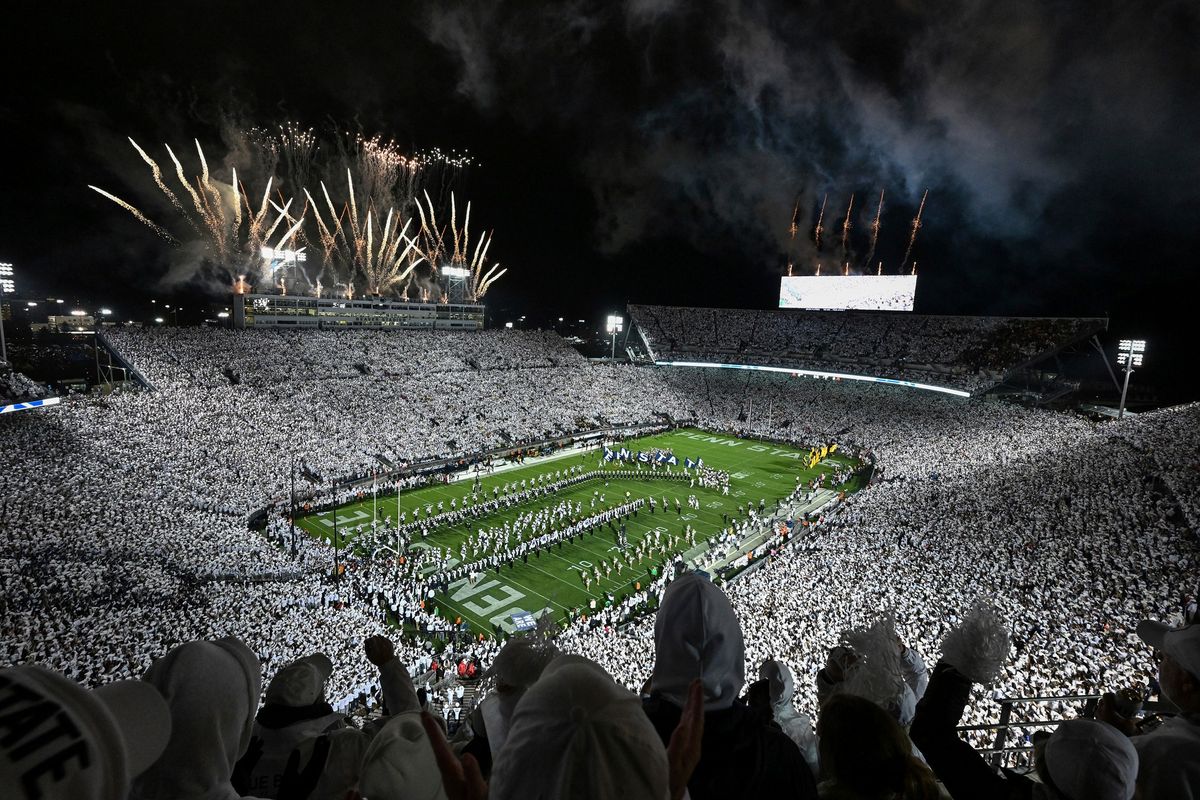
(653, 151)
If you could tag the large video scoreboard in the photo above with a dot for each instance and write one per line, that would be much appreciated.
(849, 292)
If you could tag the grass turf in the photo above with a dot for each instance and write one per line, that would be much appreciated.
(551, 579)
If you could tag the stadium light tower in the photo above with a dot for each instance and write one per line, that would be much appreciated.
(7, 286)
(1129, 355)
(456, 283)
(613, 326)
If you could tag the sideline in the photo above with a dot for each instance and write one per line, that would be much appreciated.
(470, 473)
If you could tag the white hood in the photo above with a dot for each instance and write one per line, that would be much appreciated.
(697, 635)
(399, 763)
(212, 689)
(577, 734)
(781, 686)
(798, 727)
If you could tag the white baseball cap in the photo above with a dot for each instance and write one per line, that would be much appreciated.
(1090, 760)
(1181, 644)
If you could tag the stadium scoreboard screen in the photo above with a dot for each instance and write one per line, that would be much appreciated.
(849, 292)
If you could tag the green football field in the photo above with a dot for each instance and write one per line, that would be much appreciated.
(551, 580)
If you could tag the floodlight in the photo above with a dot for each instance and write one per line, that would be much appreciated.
(159, 320)
(106, 312)
(271, 256)
(75, 312)
(31, 303)
(508, 324)
(455, 272)
(222, 315)
(7, 286)
(613, 325)
(1129, 355)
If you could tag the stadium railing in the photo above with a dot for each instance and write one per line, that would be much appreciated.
(1000, 755)
(115, 354)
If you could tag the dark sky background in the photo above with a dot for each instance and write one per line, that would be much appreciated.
(652, 150)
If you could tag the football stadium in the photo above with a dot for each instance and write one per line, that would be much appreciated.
(741, 406)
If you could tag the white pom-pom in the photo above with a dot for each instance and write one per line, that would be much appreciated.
(978, 645)
(877, 673)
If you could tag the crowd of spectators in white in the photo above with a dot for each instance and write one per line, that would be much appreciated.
(16, 388)
(968, 353)
(124, 518)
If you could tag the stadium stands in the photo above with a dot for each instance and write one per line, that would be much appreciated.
(968, 353)
(124, 519)
(16, 388)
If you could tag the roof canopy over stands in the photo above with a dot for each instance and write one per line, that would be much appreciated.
(970, 354)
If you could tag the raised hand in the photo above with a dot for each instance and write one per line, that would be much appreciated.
(379, 649)
(683, 752)
(461, 779)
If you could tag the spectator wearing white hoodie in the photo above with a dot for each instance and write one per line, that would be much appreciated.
(697, 635)
(212, 690)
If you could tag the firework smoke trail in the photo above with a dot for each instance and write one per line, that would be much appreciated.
(265, 150)
(283, 215)
(187, 185)
(916, 226)
(355, 229)
(256, 220)
(138, 215)
(381, 180)
(491, 277)
(874, 232)
(328, 242)
(214, 209)
(819, 229)
(433, 248)
(237, 201)
(383, 256)
(298, 147)
(438, 171)
(386, 177)
(204, 177)
(846, 226)
(158, 178)
(233, 240)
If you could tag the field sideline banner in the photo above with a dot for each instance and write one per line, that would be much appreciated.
(812, 373)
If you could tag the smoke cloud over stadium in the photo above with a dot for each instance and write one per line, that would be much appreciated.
(710, 120)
